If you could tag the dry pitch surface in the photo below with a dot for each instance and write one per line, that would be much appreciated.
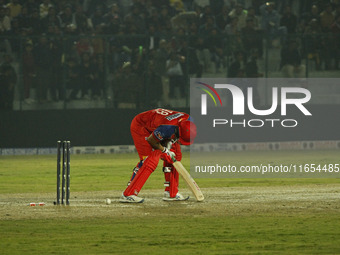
(233, 201)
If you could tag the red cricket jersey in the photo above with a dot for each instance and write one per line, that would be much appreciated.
(162, 123)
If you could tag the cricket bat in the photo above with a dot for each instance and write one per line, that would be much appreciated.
(189, 180)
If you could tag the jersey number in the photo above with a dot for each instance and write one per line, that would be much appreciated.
(164, 112)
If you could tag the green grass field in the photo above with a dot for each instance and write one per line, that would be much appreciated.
(239, 216)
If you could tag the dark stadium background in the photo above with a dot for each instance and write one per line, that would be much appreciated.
(81, 69)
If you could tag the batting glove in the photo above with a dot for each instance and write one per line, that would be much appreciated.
(168, 156)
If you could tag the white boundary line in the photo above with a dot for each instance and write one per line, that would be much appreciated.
(122, 149)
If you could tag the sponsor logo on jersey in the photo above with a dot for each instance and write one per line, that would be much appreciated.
(174, 116)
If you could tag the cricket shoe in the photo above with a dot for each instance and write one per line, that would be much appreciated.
(178, 197)
(131, 199)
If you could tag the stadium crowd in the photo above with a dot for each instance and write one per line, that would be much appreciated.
(155, 45)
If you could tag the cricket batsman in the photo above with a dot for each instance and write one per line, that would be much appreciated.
(157, 134)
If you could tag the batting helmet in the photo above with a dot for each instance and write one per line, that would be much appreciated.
(187, 132)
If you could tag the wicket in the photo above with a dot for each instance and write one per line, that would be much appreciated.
(65, 175)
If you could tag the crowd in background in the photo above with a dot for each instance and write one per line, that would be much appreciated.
(78, 44)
